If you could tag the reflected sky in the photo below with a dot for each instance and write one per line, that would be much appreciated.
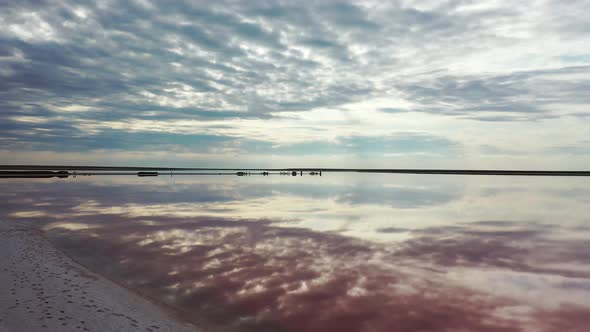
(338, 253)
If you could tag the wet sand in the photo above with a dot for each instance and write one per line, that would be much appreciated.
(44, 290)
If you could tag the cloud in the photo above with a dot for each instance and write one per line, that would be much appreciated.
(248, 67)
(393, 230)
(519, 96)
(402, 143)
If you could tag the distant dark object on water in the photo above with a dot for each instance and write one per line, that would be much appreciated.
(147, 173)
(294, 173)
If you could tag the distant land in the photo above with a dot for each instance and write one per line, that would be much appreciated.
(57, 168)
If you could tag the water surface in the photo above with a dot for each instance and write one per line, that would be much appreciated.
(342, 252)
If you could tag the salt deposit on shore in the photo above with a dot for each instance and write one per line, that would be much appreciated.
(43, 290)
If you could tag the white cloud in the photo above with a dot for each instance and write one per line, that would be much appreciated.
(476, 73)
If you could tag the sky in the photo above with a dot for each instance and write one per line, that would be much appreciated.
(449, 84)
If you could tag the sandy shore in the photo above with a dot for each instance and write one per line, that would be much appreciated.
(43, 290)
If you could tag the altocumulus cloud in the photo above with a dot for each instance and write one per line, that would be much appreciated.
(279, 78)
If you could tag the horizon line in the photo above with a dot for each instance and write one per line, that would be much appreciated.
(308, 169)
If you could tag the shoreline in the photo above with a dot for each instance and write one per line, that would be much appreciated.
(179, 315)
(47, 290)
(29, 170)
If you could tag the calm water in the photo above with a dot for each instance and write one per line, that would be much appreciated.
(342, 252)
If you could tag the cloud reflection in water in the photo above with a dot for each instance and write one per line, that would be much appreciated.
(253, 262)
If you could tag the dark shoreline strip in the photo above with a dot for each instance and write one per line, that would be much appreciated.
(357, 170)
